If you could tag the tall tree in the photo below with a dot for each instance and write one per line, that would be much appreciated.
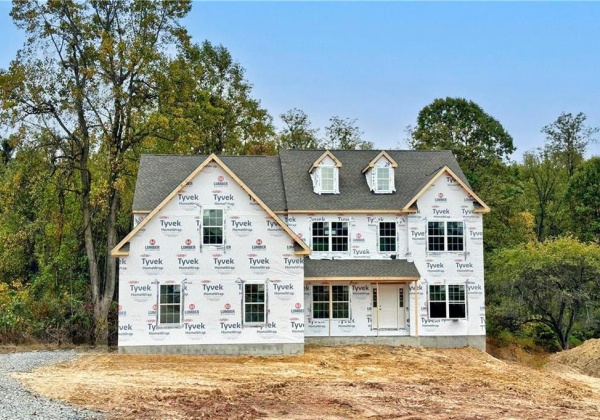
(583, 192)
(544, 180)
(344, 134)
(568, 137)
(476, 138)
(206, 104)
(555, 283)
(297, 132)
(82, 85)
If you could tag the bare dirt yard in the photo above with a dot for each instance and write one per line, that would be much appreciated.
(325, 383)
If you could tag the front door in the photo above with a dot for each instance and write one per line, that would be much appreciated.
(391, 311)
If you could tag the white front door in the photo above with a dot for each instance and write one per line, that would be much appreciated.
(391, 310)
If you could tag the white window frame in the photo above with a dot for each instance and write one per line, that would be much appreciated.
(376, 178)
(445, 236)
(246, 303)
(333, 306)
(162, 304)
(328, 228)
(334, 179)
(394, 237)
(204, 226)
(449, 299)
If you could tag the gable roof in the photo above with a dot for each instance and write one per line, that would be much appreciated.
(284, 185)
(480, 206)
(323, 156)
(415, 169)
(119, 249)
(376, 158)
(158, 175)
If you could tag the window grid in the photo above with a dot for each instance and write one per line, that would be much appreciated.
(435, 236)
(212, 227)
(254, 303)
(170, 304)
(401, 297)
(320, 236)
(330, 236)
(340, 302)
(320, 302)
(445, 236)
(456, 301)
(327, 179)
(452, 305)
(382, 179)
(455, 236)
(387, 237)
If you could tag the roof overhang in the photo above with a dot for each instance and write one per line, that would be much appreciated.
(122, 248)
(384, 154)
(483, 208)
(327, 153)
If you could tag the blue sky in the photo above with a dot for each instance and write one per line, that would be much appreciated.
(523, 63)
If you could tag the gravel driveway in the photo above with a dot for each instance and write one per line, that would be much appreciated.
(18, 403)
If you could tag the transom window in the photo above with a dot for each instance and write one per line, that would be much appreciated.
(212, 227)
(339, 301)
(447, 301)
(254, 303)
(328, 179)
(170, 304)
(330, 236)
(387, 236)
(382, 179)
(445, 236)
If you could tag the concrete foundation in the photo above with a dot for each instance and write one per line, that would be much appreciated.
(475, 341)
(220, 349)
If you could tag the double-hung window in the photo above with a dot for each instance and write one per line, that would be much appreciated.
(212, 227)
(445, 236)
(382, 180)
(387, 236)
(170, 304)
(255, 307)
(330, 236)
(338, 300)
(447, 301)
(328, 179)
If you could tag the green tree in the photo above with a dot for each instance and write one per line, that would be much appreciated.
(583, 192)
(554, 283)
(344, 134)
(82, 86)
(297, 132)
(568, 137)
(544, 179)
(476, 138)
(205, 105)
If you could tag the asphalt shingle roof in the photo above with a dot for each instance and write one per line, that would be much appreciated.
(159, 175)
(359, 268)
(283, 181)
(415, 169)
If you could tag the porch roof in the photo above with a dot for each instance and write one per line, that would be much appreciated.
(360, 270)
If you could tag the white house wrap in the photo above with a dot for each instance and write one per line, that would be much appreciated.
(248, 254)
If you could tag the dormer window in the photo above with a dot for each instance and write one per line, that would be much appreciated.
(324, 173)
(382, 180)
(380, 174)
(328, 179)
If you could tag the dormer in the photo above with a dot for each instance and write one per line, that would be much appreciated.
(325, 173)
(380, 174)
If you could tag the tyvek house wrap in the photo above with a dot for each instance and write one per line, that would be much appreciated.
(168, 249)
(443, 200)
